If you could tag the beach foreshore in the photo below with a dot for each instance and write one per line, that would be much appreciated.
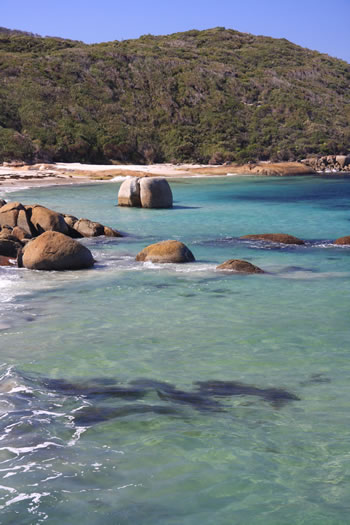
(12, 177)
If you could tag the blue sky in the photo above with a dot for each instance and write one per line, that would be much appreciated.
(316, 24)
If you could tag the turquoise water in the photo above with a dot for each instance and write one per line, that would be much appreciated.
(80, 448)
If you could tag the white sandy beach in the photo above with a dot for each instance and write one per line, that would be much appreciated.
(11, 178)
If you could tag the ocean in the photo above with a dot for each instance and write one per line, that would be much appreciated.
(177, 394)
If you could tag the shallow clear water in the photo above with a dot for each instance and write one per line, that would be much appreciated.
(100, 445)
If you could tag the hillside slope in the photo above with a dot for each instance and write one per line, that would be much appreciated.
(195, 96)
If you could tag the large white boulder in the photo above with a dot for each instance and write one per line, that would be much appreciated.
(155, 192)
(129, 193)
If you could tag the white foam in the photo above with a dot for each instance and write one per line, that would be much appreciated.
(9, 489)
(26, 450)
(34, 496)
(120, 178)
(76, 436)
(179, 268)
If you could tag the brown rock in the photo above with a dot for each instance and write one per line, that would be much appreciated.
(129, 193)
(55, 251)
(9, 248)
(343, 240)
(23, 222)
(237, 265)
(20, 234)
(43, 220)
(6, 261)
(88, 228)
(282, 238)
(341, 160)
(109, 232)
(166, 252)
(13, 214)
(5, 232)
(70, 220)
(8, 235)
(155, 192)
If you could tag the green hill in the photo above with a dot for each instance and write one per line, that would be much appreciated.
(215, 95)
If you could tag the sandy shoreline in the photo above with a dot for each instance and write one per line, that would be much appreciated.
(12, 177)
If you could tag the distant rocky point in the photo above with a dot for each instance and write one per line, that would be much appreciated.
(329, 163)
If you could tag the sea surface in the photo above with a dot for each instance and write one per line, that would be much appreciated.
(140, 393)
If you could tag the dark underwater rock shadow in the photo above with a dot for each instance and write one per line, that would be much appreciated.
(106, 399)
(203, 398)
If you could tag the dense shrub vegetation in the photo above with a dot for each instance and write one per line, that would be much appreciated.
(215, 95)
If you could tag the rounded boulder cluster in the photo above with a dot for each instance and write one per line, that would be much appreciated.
(145, 192)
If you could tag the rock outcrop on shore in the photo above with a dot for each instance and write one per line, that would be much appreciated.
(166, 252)
(145, 192)
(277, 169)
(55, 251)
(239, 266)
(329, 163)
(281, 238)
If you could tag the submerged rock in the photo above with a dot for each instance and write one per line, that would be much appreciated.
(166, 252)
(343, 240)
(282, 238)
(276, 396)
(55, 251)
(237, 265)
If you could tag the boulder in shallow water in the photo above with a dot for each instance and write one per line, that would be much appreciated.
(237, 265)
(89, 228)
(166, 252)
(129, 193)
(155, 192)
(282, 238)
(343, 240)
(43, 220)
(2, 203)
(55, 251)
(110, 232)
